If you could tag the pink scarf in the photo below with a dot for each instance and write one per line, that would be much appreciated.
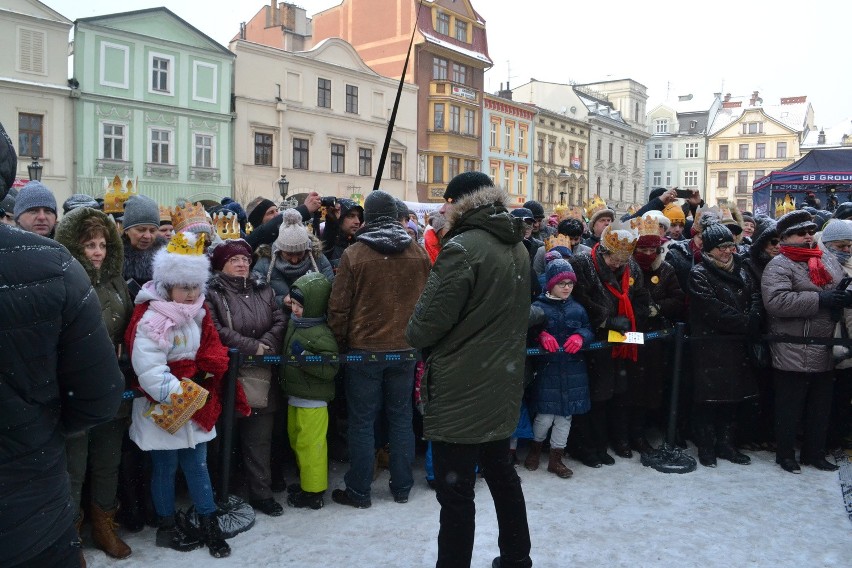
(168, 315)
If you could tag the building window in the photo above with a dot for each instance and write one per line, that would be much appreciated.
(455, 118)
(540, 191)
(743, 151)
(437, 169)
(692, 149)
(668, 179)
(690, 178)
(262, 149)
(507, 179)
(657, 179)
(113, 145)
(550, 191)
(324, 93)
(459, 73)
(204, 151)
(636, 158)
(551, 150)
(160, 74)
(621, 191)
(599, 150)
(609, 190)
(760, 150)
(338, 158)
(461, 30)
(30, 127)
(115, 65)
(396, 165)
(522, 143)
(610, 152)
(453, 167)
(160, 146)
(439, 117)
(781, 150)
(658, 151)
(540, 152)
(581, 154)
(723, 152)
(522, 182)
(439, 69)
(598, 187)
(469, 122)
(493, 134)
(742, 181)
(508, 134)
(352, 99)
(661, 126)
(621, 155)
(759, 174)
(752, 128)
(205, 82)
(469, 166)
(365, 162)
(442, 23)
(300, 154)
(723, 179)
(493, 175)
(31, 51)
(693, 124)
(669, 151)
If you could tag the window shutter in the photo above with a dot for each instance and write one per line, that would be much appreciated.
(31, 50)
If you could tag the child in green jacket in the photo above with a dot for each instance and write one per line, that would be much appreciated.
(309, 387)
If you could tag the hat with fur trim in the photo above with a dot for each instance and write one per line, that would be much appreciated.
(181, 262)
(794, 221)
(465, 183)
(558, 270)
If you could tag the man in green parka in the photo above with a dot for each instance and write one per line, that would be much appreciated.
(471, 322)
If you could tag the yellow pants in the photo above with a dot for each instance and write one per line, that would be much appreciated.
(307, 428)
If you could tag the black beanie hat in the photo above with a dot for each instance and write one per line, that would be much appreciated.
(794, 221)
(536, 208)
(844, 210)
(656, 192)
(401, 209)
(714, 235)
(256, 215)
(379, 204)
(466, 183)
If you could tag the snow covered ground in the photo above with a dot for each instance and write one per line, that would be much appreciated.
(622, 515)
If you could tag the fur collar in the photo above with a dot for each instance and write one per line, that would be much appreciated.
(483, 196)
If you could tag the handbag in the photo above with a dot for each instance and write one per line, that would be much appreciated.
(171, 416)
(255, 379)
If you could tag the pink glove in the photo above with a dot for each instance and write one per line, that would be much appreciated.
(573, 343)
(548, 342)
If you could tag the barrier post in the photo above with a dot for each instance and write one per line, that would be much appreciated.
(228, 403)
(680, 334)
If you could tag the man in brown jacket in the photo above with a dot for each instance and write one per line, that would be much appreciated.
(378, 282)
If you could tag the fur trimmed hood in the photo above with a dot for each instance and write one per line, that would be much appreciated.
(485, 209)
(69, 232)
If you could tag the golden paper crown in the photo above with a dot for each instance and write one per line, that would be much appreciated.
(227, 225)
(560, 211)
(117, 192)
(556, 241)
(574, 212)
(633, 209)
(647, 224)
(593, 205)
(165, 214)
(179, 244)
(619, 239)
(785, 206)
(188, 215)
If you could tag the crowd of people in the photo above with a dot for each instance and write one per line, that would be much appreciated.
(155, 296)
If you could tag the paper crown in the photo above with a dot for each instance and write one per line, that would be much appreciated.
(117, 192)
(188, 215)
(569, 212)
(647, 224)
(619, 239)
(633, 209)
(785, 206)
(227, 225)
(593, 205)
(165, 214)
(179, 244)
(557, 241)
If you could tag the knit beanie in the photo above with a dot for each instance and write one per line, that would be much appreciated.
(238, 210)
(140, 210)
(465, 183)
(715, 235)
(224, 251)
(401, 209)
(7, 204)
(293, 235)
(437, 221)
(256, 213)
(32, 196)
(79, 200)
(837, 230)
(378, 205)
(789, 222)
(570, 228)
(536, 208)
(413, 226)
(556, 271)
(674, 213)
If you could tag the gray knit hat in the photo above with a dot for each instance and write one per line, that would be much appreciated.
(837, 230)
(292, 236)
(79, 200)
(34, 195)
(140, 210)
(380, 204)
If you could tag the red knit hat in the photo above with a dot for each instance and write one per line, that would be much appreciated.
(649, 241)
(227, 249)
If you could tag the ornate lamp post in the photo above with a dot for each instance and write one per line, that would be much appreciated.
(35, 169)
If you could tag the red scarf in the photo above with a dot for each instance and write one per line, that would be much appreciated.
(696, 251)
(625, 308)
(813, 256)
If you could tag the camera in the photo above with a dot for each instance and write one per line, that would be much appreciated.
(328, 201)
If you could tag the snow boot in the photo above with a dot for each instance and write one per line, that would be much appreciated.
(212, 536)
(104, 535)
(556, 466)
(305, 499)
(533, 457)
(170, 535)
(725, 448)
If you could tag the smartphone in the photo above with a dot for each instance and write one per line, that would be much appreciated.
(684, 193)
(844, 283)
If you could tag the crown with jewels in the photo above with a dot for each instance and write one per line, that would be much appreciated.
(179, 244)
(619, 239)
(227, 225)
(165, 214)
(593, 205)
(557, 241)
(647, 224)
(785, 206)
(117, 192)
(188, 215)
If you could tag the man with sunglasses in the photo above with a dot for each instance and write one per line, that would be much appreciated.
(801, 295)
(540, 230)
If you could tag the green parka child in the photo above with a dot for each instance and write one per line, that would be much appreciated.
(309, 387)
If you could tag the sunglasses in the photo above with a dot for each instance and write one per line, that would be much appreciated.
(804, 232)
(529, 220)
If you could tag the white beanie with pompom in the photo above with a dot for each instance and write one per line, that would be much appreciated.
(293, 235)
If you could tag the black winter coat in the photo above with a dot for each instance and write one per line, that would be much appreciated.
(8, 162)
(58, 375)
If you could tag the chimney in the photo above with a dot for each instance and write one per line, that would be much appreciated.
(821, 137)
(242, 30)
(754, 99)
(505, 93)
(273, 9)
(727, 97)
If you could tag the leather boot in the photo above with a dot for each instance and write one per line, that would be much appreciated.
(706, 440)
(533, 457)
(212, 535)
(556, 466)
(622, 449)
(78, 524)
(725, 448)
(104, 535)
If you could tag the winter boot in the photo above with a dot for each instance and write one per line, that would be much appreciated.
(170, 535)
(104, 535)
(556, 466)
(533, 457)
(212, 535)
(725, 448)
(78, 524)
(305, 499)
(706, 440)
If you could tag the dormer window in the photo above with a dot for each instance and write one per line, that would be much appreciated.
(752, 128)
(661, 126)
(442, 23)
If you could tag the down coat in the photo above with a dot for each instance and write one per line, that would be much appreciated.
(472, 320)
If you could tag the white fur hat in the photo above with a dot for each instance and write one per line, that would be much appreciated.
(175, 269)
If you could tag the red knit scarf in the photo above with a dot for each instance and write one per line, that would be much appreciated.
(813, 256)
(625, 308)
(696, 251)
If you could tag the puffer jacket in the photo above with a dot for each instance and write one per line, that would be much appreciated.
(8, 162)
(472, 320)
(54, 345)
(282, 274)
(792, 308)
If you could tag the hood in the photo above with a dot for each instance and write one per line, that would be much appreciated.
(316, 289)
(385, 236)
(485, 209)
(68, 233)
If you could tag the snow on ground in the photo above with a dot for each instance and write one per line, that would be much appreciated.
(622, 515)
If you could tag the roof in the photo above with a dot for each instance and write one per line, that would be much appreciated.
(834, 135)
(792, 116)
(600, 109)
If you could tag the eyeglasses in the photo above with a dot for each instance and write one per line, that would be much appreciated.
(804, 232)
(565, 284)
(731, 247)
(528, 220)
(774, 242)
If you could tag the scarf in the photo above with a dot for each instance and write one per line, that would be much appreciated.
(169, 315)
(645, 260)
(625, 308)
(726, 266)
(813, 256)
(842, 257)
(696, 252)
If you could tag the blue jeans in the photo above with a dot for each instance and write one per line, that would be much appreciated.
(193, 463)
(371, 387)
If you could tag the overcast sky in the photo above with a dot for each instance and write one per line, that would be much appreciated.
(780, 48)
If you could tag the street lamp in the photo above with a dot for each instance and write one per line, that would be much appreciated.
(563, 178)
(562, 197)
(283, 186)
(34, 170)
